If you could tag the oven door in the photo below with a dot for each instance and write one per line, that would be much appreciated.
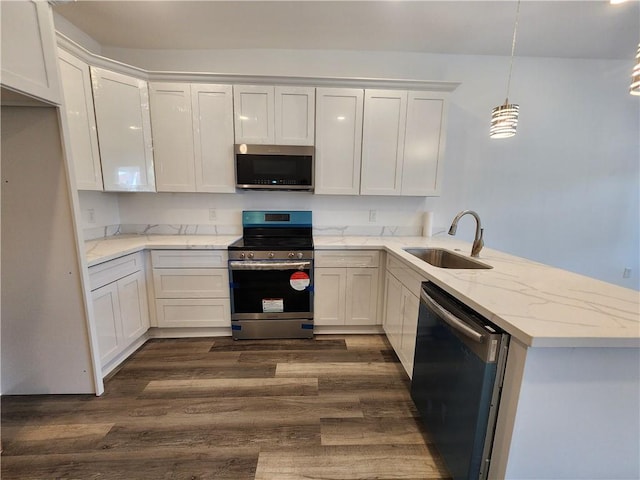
(271, 298)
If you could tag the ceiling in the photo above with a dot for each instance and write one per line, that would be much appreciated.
(572, 29)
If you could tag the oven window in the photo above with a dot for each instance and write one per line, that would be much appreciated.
(260, 291)
(277, 169)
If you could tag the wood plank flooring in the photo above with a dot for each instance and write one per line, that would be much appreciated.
(335, 407)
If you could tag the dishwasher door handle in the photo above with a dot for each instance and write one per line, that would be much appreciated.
(453, 321)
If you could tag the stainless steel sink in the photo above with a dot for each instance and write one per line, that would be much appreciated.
(439, 257)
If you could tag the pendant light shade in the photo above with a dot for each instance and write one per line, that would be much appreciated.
(634, 88)
(504, 120)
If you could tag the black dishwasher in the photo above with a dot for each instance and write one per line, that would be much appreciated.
(457, 380)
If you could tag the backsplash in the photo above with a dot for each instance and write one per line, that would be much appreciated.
(221, 214)
(158, 229)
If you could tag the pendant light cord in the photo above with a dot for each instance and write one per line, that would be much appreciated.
(513, 50)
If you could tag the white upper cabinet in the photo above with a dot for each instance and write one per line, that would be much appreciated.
(267, 115)
(78, 105)
(172, 127)
(29, 50)
(338, 140)
(424, 143)
(192, 137)
(212, 110)
(254, 116)
(403, 142)
(295, 115)
(124, 131)
(385, 114)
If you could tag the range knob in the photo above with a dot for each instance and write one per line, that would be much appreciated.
(292, 255)
(271, 254)
(250, 254)
(242, 255)
(299, 255)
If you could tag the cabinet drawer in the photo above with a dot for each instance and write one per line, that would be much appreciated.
(191, 282)
(188, 258)
(108, 272)
(350, 258)
(210, 312)
(407, 276)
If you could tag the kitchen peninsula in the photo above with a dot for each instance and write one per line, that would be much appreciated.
(572, 389)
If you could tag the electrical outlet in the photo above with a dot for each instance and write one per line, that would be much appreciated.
(372, 216)
(212, 214)
(91, 215)
(626, 273)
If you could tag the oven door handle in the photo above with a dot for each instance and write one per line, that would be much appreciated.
(251, 265)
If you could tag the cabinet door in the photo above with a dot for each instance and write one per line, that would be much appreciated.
(294, 115)
(409, 330)
(191, 282)
(189, 258)
(385, 115)
(254, 114)
(329, 296)
(394, 304)
(124, 131)
(171, 123)
(106, 311)
(424, 143)
(338, 140)
(134, 310)
(29, 50)
(193, 312)
(212, 107)
(362, 296)
(81, 120)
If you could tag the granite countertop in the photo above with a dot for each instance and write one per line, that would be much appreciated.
(539, 305)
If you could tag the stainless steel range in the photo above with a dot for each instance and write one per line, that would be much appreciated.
(271, 276)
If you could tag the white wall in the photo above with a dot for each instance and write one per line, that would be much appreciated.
(45, 340)
(100, 213)
(563, 191)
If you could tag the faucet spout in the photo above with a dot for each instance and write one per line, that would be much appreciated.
(478, 242)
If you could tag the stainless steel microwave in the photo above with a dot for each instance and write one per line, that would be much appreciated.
(274, 167)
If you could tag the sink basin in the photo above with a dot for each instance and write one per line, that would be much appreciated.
(439, 257)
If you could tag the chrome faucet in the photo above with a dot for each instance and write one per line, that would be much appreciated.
(477, 242)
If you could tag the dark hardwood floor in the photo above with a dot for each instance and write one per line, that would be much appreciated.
(336, 407)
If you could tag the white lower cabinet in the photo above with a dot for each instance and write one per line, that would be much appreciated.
(346, 288)
(393, 311)
(106, 311)
(120, 307)
(401, 294)
(191, 288)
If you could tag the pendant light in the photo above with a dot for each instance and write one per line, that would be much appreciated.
(504, 118)
(634, 88)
